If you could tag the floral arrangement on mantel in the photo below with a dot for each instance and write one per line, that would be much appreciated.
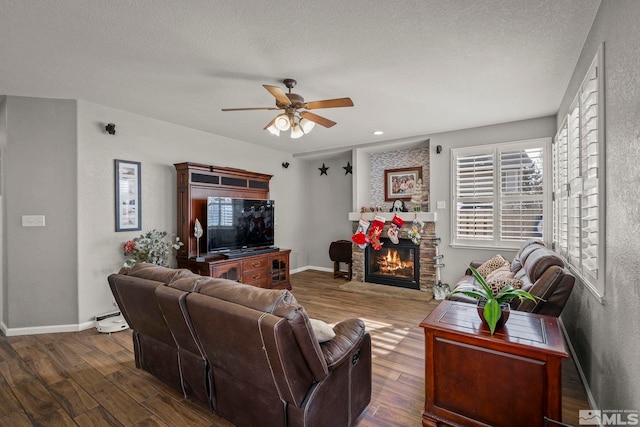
(153, 247)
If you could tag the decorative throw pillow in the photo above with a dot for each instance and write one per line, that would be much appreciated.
(503, 272)
(491, 265)
(502, 277)
(498, 284)
(323, 331)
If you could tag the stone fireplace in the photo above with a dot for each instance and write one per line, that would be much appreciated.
(425, 250)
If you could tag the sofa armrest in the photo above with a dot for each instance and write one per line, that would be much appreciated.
(553, 288)
(349, 335)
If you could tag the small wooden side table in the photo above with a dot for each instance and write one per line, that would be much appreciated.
(472, 378)
(340, 251)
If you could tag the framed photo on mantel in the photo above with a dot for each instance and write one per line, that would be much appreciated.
(400, 183)
(128, 202)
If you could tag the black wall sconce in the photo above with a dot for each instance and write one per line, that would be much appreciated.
(285, 165)
(110, 128)
(438, 149)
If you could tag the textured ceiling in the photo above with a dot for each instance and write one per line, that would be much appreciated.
(412, 67)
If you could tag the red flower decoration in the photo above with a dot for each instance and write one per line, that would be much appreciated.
(129, 247)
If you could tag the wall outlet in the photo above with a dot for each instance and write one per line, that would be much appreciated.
(441, 204)
(33, 220)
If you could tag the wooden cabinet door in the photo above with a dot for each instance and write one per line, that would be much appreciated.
(279, 265)
(229, 270)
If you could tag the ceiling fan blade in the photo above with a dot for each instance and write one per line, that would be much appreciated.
(330, 103)
(270, 123)
(280, 96)
(317, 119)
(247, 109)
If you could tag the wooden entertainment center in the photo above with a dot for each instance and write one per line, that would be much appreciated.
(195, 183)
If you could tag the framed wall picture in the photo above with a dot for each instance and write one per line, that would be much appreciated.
(400, 183)
(128, 202)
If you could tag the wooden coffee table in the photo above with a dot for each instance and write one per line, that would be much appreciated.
(472, 378)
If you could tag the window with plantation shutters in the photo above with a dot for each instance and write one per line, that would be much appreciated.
(499, 194)
(578, 190)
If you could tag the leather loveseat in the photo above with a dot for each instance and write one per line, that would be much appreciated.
(541, 272)
(248, 354)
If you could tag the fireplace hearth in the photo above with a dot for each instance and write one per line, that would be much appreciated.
(394, 264)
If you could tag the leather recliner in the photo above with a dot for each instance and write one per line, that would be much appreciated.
(154, 347)
(543, 274)
(247, 353)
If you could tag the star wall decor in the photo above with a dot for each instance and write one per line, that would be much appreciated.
(323, 170)
(348, 168)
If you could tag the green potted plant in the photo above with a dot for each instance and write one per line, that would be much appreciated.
(493, 304)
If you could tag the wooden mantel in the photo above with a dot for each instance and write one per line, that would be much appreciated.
(406, 216)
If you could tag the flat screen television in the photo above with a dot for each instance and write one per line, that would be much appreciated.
(234, 224)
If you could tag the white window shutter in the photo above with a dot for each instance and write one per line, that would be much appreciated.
(561, 190)
(521, 198)
(589, 165)
(499, 193)
(578, 197)
(474, 196)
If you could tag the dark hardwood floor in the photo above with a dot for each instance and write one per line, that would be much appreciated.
(89, 379)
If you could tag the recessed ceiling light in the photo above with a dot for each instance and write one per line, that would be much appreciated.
(378, 132)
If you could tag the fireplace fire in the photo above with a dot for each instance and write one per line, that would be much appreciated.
(395, 265)
(392, 264)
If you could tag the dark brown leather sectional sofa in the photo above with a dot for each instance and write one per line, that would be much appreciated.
(248, 354)
(542, 273)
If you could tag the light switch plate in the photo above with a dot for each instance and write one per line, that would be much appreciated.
(441, 204)
(33, 220)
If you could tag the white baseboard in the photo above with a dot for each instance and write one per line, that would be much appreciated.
(311, 267)
(585, 383)
(35, 330)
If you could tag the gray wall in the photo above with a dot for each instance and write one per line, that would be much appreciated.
(59, 162)
(158, 145)
(3, 261)
(326, 205)
(39, 178)
(605, 336)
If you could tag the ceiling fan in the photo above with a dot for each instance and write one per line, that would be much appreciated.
(300, 122)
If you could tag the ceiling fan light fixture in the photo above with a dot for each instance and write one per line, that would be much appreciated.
(296, 131)
(306, 125)
(273, 130)
(282, 122)
(299, 122)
